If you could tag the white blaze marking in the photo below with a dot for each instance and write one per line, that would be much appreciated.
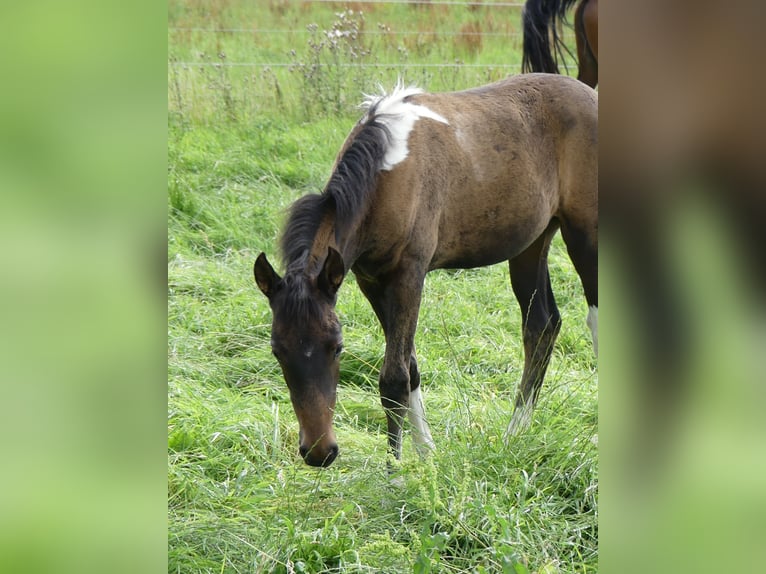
(399, 117)
(592, 322)
(421, 434)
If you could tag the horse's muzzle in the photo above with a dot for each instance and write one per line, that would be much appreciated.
(319, 456)
(316, 439)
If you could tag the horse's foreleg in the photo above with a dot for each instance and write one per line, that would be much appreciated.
(581, 240)
(421, 432)
(540, 324)
(396, 302)
(395, 398)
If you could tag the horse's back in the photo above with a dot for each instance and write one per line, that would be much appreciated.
(544, 96)
(519, 125)
(481, 186)
(521, 149)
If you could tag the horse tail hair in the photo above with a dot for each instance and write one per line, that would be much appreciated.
(543, 46)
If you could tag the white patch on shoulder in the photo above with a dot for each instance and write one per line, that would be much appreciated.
(399, 117)
(592, 322)
(421, 432)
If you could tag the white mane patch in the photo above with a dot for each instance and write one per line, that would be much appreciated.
(399, 117)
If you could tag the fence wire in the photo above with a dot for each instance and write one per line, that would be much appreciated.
(337, 65)
(360, 32)
(567, 35)
(477, 4)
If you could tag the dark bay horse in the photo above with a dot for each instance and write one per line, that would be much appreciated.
(427, 181)
(543, 46)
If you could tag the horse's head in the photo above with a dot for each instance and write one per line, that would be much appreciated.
(306, 340)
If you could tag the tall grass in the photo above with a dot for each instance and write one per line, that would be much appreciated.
(239, 498)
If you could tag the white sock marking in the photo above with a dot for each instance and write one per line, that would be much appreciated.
(421, 433)
(399, 117)
(520, 420)
(592, 321)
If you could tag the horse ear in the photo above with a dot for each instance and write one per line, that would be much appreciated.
(332, 273)
(265, 276)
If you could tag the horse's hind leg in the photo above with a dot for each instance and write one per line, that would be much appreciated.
(540, 322)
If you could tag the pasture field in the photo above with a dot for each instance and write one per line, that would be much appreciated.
(243, 143)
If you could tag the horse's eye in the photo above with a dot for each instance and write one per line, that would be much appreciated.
(338, 350)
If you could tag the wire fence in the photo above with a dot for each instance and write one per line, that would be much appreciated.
(373, 65)
(319, 59)
(477, 4)
(514, 35)
(360, 32)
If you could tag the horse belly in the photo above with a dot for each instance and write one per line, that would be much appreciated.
(476, 238)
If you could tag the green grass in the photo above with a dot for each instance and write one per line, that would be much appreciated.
(235, 60)
(239, 498)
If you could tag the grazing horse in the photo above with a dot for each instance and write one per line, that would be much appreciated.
(542, 20)
(427, 181)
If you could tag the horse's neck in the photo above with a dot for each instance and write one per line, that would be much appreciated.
(327, 236)
(323, 239)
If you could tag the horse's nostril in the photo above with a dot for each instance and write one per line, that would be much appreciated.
(315, 456)
(332, 454)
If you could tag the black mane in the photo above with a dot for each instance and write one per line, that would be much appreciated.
(346, 194)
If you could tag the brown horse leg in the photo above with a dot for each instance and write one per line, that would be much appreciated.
(540, 322)
(421, 432)
(587, 71)
(396, 302)
(582, 245)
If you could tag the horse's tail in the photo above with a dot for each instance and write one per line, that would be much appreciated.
(543, 46)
